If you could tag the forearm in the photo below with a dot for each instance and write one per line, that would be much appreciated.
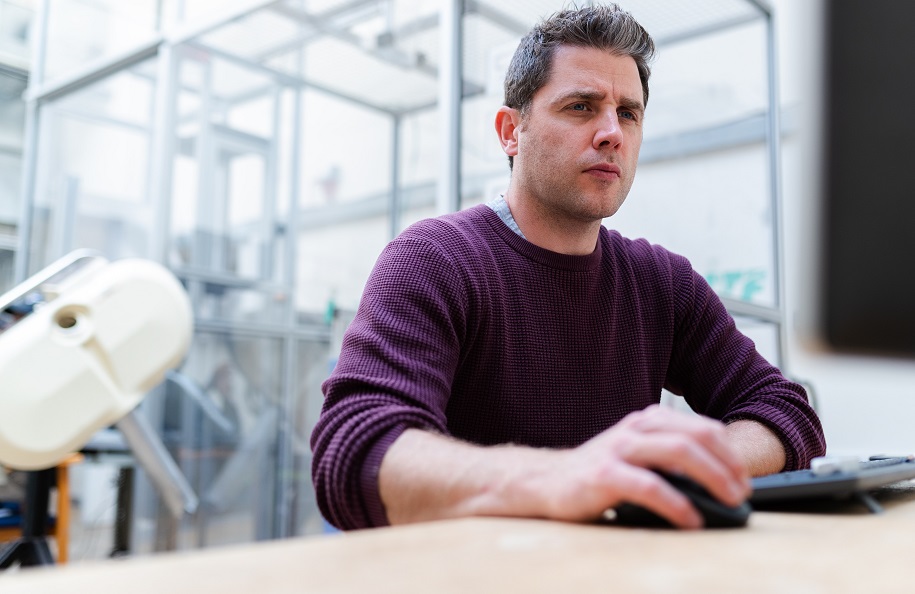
(758, 446)
(426, 476)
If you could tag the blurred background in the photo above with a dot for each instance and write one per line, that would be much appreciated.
(265, 151)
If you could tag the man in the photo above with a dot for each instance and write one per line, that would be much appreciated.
(508, 359)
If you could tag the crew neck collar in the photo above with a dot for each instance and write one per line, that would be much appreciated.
(541, 255)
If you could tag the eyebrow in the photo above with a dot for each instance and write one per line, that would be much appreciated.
(587, 95)
(632, 105)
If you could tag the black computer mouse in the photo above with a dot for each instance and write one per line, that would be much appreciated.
(714, 513)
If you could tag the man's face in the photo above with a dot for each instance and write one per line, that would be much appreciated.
(578, 143)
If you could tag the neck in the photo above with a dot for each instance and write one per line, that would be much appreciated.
(550, 230)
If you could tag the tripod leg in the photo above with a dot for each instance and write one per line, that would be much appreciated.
(32, 548)
(122, 517)
(27, 551)
(41, 553)
(10, 554)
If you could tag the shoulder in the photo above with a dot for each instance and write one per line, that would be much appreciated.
(447, 247)
(464, 225)
(642, 255)
(652, 271)
(656, 268)
(461, 238)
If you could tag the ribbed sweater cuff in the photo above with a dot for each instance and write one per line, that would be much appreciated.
(371, 494)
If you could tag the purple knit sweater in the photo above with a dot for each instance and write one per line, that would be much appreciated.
(468, 329)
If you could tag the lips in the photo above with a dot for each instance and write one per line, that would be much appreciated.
(604, 170)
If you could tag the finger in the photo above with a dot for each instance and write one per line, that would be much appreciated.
(679, 453)
(710, 434)
(650, 491)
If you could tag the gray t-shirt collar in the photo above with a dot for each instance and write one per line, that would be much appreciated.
(500, 207)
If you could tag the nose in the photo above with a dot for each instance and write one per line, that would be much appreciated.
(608, 133)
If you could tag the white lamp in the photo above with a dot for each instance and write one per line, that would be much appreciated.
(100, 337)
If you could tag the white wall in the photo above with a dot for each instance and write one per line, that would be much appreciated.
(867, 405)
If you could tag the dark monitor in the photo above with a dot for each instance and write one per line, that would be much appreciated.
(867, 217)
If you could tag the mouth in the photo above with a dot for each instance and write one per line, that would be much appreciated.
(604, 170)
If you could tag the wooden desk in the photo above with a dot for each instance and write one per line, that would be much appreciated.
(846, 550)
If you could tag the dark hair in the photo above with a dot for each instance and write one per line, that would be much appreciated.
(607, 27)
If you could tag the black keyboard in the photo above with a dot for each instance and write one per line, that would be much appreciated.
(843, 481)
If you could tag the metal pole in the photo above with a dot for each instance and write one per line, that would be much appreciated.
(30, 148)
(775, 182)
(268, 223)
(163, 151)
(449, 96)
(396, 196)
(287, 481)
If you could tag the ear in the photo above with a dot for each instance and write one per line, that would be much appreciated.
(508, 122)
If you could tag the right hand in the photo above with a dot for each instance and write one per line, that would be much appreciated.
(614, 467)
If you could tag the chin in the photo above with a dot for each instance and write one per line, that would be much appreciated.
(605, 211)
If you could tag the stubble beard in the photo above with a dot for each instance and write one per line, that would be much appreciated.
(564, 201)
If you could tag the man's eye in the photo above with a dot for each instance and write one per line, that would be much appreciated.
(628, 115)
(579, 107)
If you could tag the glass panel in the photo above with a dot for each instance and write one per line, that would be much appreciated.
(688, 91)
(345, 196)
(81, 31)
(489, 40)
(195, 11)
(10, 180)
(335, 258)
(254, 34)
(484, 167)
(7, 270)
(215, 300)
(92, 186)
(228, 240)
(313, 363)
(346, 152)
(393, 85)
(185, 172)
(420, 138)
(16, 18)
(223, 215)
(379, 53)
(664, 20)
(12, 124)
(12, 110)
(668, 21)
(221, 424)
